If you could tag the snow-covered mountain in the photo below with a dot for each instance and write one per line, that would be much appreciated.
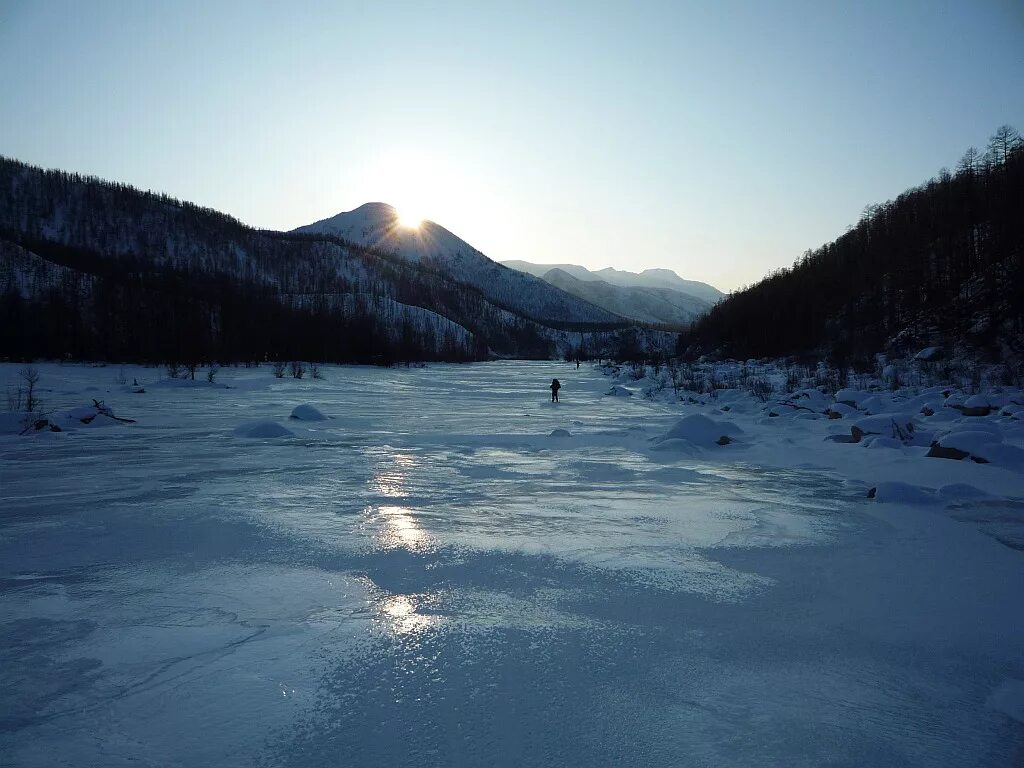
(646, 304)
(377, 226)
(648, 278)
(96, 270)
(652, 296)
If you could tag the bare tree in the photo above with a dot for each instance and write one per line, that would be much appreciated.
(279, 369)
(1003, 142)
(298, 370)
(30, 375)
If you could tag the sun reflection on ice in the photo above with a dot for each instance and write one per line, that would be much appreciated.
(391, 475)
(398, 529)
(400, 613)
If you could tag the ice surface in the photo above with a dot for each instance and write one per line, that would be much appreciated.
(429, 579)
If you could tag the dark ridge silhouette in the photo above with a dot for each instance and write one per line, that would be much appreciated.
(91, 269)
(940, 264)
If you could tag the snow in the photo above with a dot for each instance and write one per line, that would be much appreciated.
(701, 430)
(263, 429)
(430, 578)
(376, 225)
(307, 412)
(893, 492)
(1008, 698)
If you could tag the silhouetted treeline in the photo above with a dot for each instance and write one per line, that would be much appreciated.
(91, 269)
(940, 263)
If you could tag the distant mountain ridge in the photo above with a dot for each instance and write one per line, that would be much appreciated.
(377, 226)
(651, 296)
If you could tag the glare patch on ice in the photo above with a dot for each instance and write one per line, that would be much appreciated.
(397, 528)
(403, 614)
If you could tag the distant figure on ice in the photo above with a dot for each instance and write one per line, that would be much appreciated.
(577, 363)
(555, 386)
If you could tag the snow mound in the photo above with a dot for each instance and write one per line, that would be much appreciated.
(307, 412)
(263, 429)
(900, 493)
(703, 431)
(1008, 698)
(618, 391)
(961, 491)
(560, 433)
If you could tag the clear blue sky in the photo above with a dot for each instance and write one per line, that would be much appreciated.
(717, 139)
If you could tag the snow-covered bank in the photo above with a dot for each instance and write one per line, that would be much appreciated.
(929, 437)
(451, 570)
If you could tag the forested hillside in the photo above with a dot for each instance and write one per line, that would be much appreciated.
(941, 264)
(91, 269)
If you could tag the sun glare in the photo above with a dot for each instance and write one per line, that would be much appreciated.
(410, 220)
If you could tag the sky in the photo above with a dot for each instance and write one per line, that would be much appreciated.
(717, 139)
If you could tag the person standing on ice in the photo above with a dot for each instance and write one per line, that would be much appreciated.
(555, 386)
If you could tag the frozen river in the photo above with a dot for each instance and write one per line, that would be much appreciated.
(431, 578)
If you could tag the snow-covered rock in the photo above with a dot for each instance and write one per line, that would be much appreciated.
(960, 492)
(307, 412)
(980, 445)
(894, 492)
(703, 431)
(263, 429)
(897, 426)
(976, 405)
(560, 433)
(851, 397)
(617, 391)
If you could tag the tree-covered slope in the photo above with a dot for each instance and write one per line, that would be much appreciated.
(940, 264)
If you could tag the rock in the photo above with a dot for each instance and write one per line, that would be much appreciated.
(939, 452)
(897, 426)
(724, 440)
(560, 433)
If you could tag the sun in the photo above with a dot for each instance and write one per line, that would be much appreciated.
(410, 220)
